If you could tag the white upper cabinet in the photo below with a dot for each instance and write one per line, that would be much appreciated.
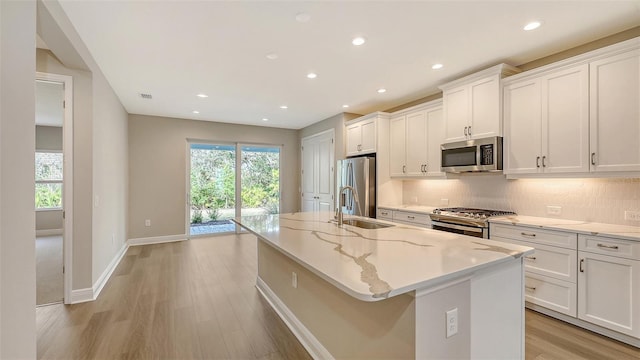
(615, 113)
(473, 104)
(415, 138)
(576, 116)
(547, 123)
(361, 137)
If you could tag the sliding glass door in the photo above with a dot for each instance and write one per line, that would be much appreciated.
(230, 179)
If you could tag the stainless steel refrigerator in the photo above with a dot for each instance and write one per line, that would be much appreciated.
(359, 173)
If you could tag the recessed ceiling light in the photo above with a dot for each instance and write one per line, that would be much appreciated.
(437, 66)
(196, 112)
(272, 56)
(358, 41)
(380, 91)
(265, 119)
(284, 107)
(303, 17)
(532, 25)
(312, 75)
(345, 106)
(202, 95)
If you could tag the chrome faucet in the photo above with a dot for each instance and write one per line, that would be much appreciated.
(343, 198)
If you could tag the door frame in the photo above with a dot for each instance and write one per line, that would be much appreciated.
(238, 178)
(67, 178)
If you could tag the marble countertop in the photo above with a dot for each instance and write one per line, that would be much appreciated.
(581, 227)
(372, 265)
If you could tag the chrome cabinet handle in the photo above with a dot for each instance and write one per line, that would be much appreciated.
(612, 247)
(593, 158)
(538, 161)
(527, 234)
(532, 258)
(530, 288)
(410, 217)
(384, 213)
(544, 164)
(469, 131)
(581, 265)
(465, 130)
(404, 169)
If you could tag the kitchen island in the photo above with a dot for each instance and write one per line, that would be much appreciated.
(390, 292)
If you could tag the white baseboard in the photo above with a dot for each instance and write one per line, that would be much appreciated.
(81, 295)
(48, 232)
(156, 240)
(106, 274)
(306, 338)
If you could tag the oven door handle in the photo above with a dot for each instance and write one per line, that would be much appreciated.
(457, 227)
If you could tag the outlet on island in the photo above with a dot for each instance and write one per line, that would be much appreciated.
(294, 280)
(147, 222)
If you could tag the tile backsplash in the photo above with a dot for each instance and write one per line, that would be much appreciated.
(597, 200)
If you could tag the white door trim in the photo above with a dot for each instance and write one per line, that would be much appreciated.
(67, 181)
(332, 133)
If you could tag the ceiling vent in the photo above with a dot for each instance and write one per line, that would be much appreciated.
(146, 96)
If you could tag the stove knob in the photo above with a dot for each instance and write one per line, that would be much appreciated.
(484, 216)
(477, 216)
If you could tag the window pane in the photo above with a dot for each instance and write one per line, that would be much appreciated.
(260, 179)
(48, 166)
(48, 195)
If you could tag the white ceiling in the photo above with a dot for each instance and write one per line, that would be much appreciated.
(174, 50)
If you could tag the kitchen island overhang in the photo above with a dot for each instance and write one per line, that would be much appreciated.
(385, 292)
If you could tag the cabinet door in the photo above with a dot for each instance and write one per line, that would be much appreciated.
(565, 125)
(397, 146)
(485, 108)
(325, 178)
(368, 140)
(354, 136)
(615, 113)
(609, 292)
(522, 127)
(435, 137)
(456, 113)
(417, 143)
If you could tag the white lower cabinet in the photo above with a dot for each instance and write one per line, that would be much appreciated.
(404, 217)
(551, 293)
(609, 284)
(385, 214)
(595, 279)
(550, 272)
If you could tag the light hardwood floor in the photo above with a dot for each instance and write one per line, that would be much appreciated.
(197, 299)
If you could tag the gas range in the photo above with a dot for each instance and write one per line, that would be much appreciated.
(468, 221)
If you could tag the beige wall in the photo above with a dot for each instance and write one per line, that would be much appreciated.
(335, 122)
(99, 148)
(158, 165)
(17, 145)
(48, 138)
(347, 327)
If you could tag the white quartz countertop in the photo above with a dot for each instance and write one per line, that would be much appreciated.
(372, 265)
(581, 227)
(412, 208)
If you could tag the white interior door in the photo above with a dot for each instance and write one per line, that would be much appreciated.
(318, 179)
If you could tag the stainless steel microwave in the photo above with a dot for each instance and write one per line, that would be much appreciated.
(478, 155)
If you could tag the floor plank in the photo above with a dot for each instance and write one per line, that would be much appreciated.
(197, 299)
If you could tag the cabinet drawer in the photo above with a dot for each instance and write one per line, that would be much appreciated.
(552, 261)
(609, 246)
(554, 294)
(385, 214)
(412, 218)
(537, 236)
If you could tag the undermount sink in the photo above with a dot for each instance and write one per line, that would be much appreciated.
(366, 224)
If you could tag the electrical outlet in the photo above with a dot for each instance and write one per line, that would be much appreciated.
(452, 322)
(444, 202)
(554, 210)
(632, 215)
(294, 280)
(147, 222)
